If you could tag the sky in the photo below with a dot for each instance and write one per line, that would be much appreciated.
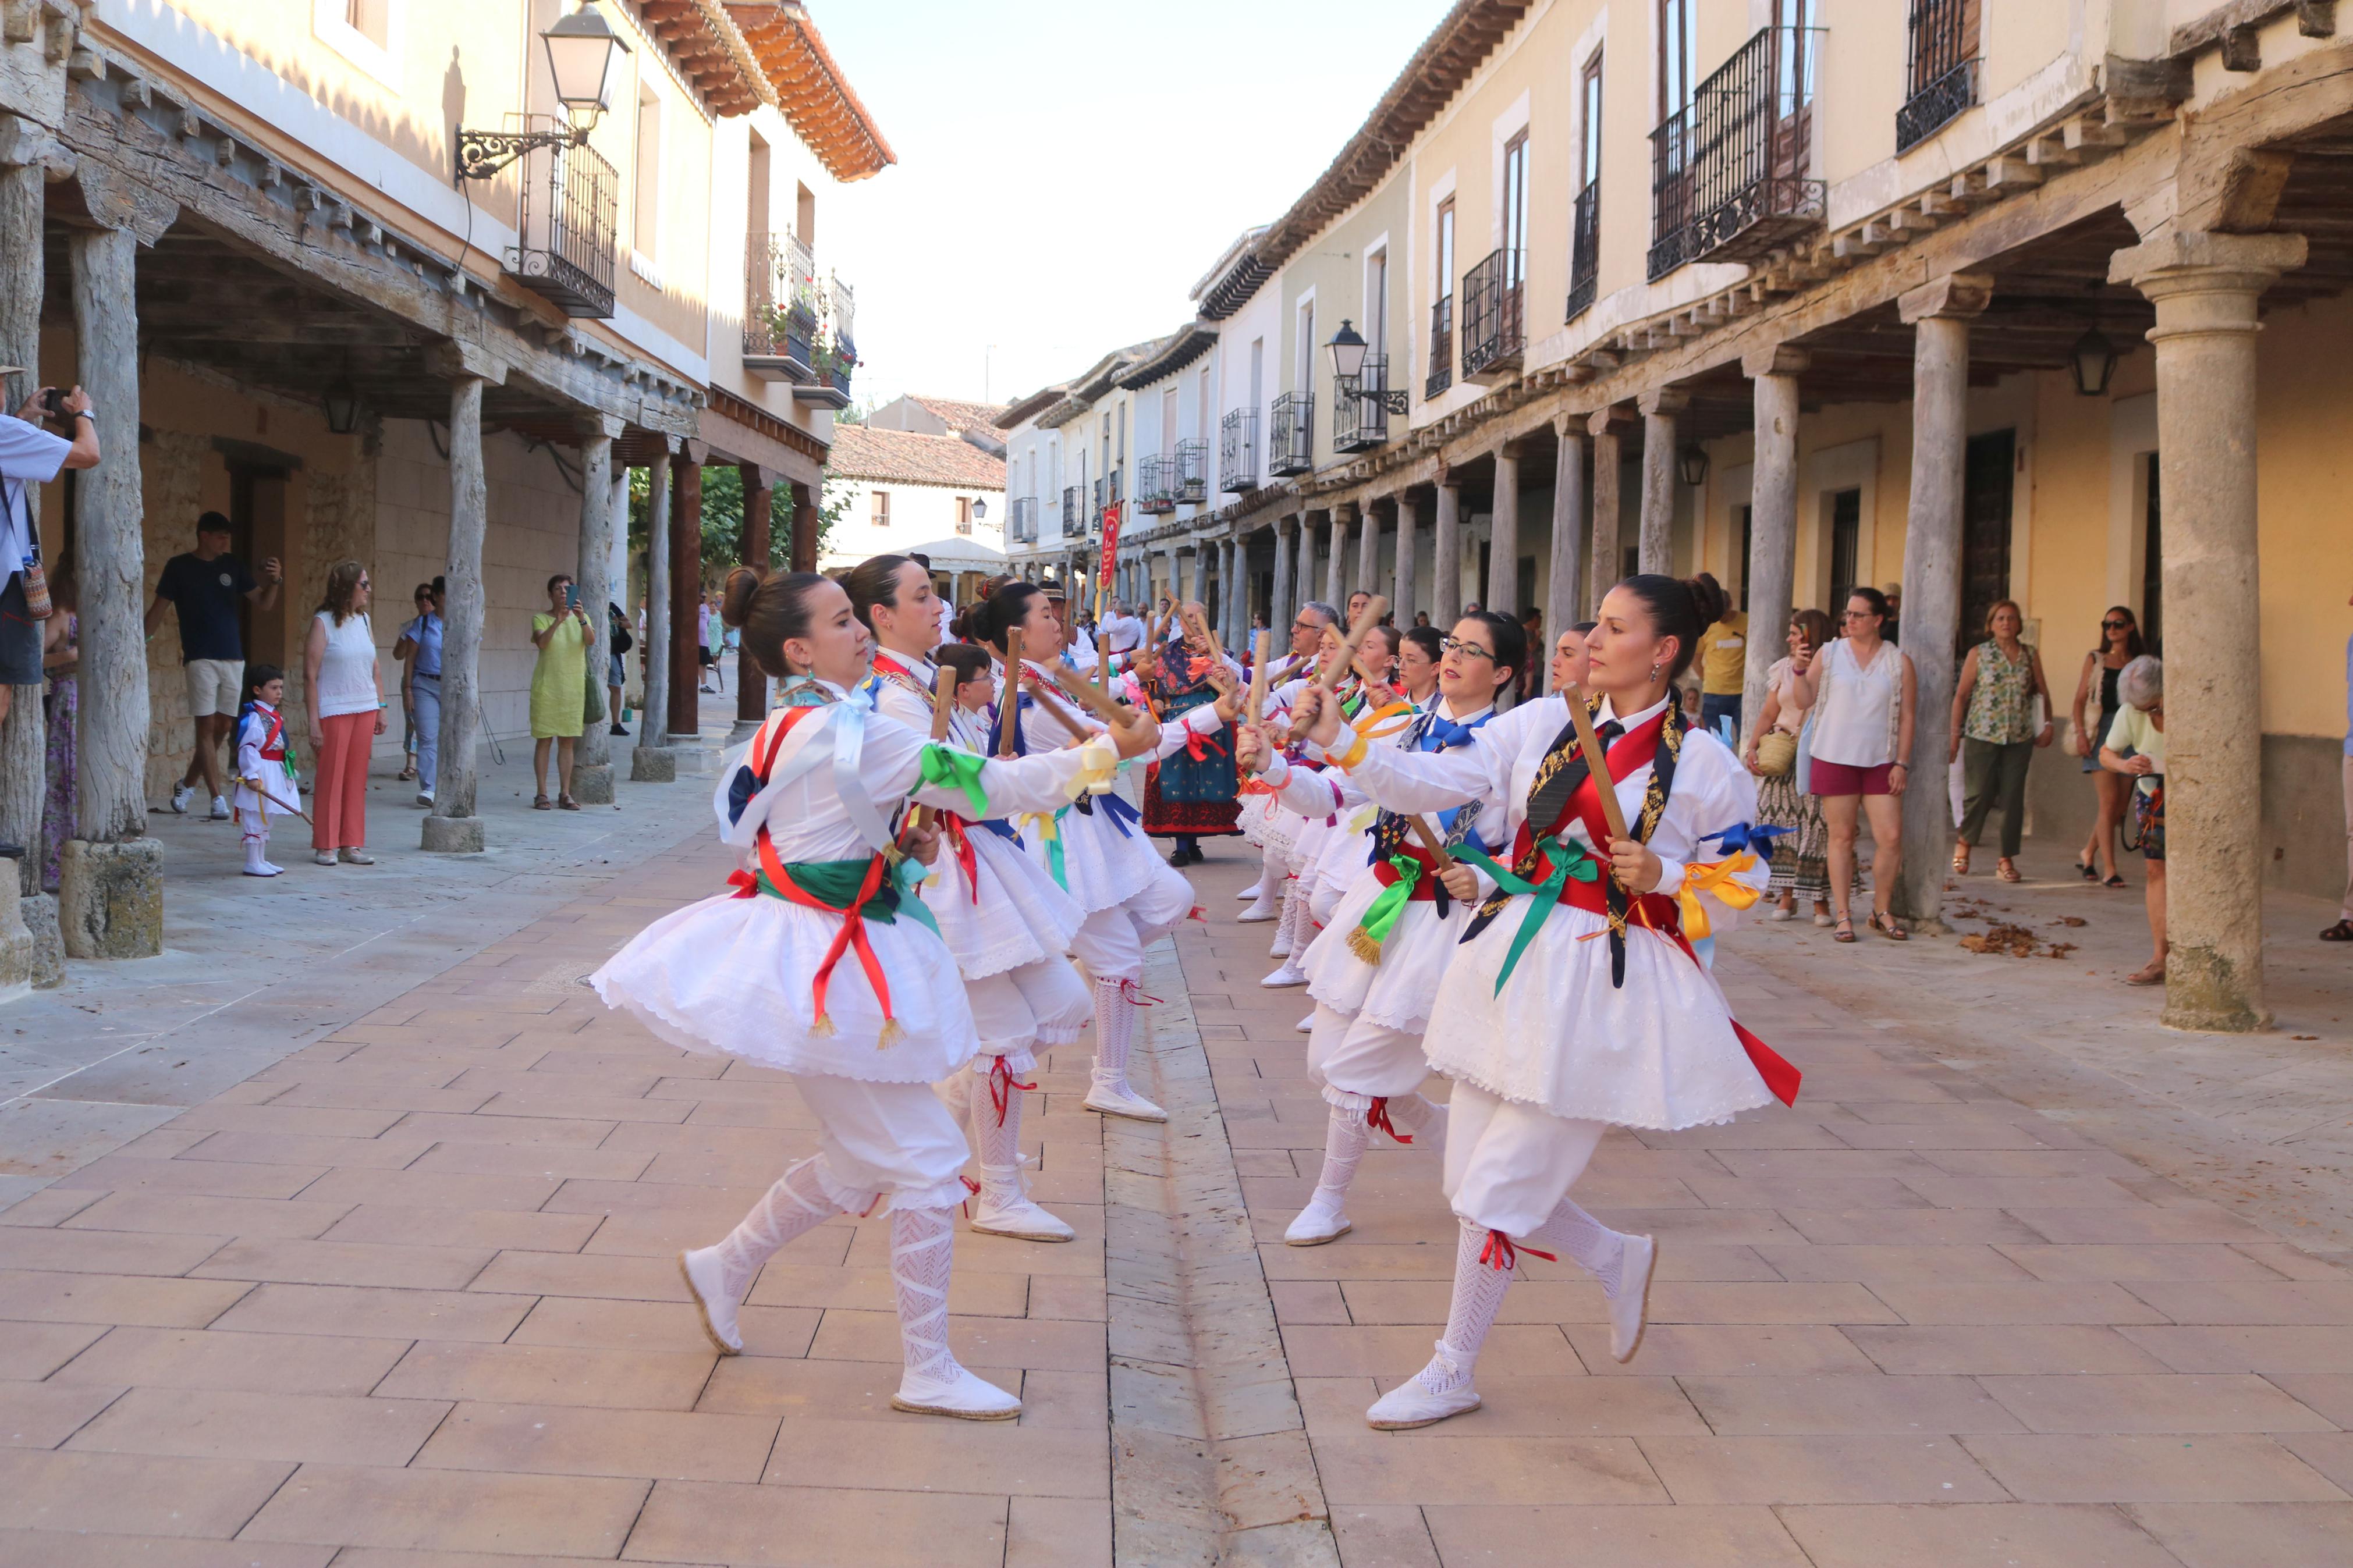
(1068, 169)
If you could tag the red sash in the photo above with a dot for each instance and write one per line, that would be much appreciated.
(1425, 888)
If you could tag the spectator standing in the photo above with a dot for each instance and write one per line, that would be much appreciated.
(1994, 728)
(1723, 659)
(1120, 634)
(1531, 627)
(2343, 930)
(31, 455)
(205, 585)
(345, 692)
(61, 662)
(2135, 748)
(1800, 855)
(420, 646)
(403, 650)
(2120, 644)
(618, 641)
(1863, 688)
(562, 634)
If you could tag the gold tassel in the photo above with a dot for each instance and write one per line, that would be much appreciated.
(893, 1033)
(823, 1028)
(1365, 944)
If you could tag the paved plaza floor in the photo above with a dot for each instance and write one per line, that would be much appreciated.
(2006, 1287)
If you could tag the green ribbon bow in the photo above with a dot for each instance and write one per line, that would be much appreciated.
(950, 769)
(1388, 906)
(1568, 859)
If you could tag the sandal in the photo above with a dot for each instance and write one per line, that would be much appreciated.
(1885, 924)
(1845, 929)
(2149, 973)
(542, 803)
(2083, 864)
(2341, 932)
(566, 803)
(1960, 859)
(405, 775)
(2116, 879)
(2007, 869)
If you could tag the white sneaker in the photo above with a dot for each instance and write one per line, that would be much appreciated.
(1115, 1100)
(323, 858)
(1629, 1310)
(1318, 1223)
(220, 809)
(1290, 974)
(1305, 1025)
(703, 1274)
(1009, 1212)
(1265, 909)
(960, 1394)
(425, 797)
(1440, 1390)
(182, 794)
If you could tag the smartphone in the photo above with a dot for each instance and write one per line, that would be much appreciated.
(572, 595)
(53, 401)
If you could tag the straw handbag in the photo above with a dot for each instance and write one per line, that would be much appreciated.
(1777, 754)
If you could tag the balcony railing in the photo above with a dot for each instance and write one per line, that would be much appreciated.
(1107, 491)
(1494, 314)
(1290, 435)
(1237, 451)
(1072, 509)
(781, 294)
(1585, 250)
(1442, 348)
(1155, 484)
(1021, 527)
(1193, 470)
(1943, 68)
(569, 240)
(1728, 172)
(1360, 414)
(837, 347)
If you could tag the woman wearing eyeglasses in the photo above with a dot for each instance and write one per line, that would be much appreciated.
(1863, 688)
(2120, 644)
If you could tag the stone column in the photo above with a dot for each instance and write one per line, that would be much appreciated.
(452, 827)
(686, 596)
(1772, 565)
(1308, 586)
(1504, 535)
(751, 684)
(1402, 584)
(1281, 609)
(1606, 426)
(1561, 600)
(592, 769)
(617, 567)
(1368, 552)
(1232, 612)
(24, 740)
(110, 876)
(1659, 407)
(1939, 313)
(651, 762)
(1446, 545)
(2205, 288)
(1335, 566)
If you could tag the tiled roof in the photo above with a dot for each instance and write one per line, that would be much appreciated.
(861, 453)
(813, 91)
(960, 416)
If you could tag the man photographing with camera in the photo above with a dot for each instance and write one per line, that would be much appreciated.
(31, 454)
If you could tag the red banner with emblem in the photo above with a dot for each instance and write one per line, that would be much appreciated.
(1110, 555)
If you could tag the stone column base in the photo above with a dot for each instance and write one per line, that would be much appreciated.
(743, 730)
(110, 898)
(453, 835)
(40, 911)
(592, 784)
(16, 950)
(653, 764)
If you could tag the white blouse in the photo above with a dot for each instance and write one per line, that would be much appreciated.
(1856, 710)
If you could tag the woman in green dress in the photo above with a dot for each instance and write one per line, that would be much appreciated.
(562, 633)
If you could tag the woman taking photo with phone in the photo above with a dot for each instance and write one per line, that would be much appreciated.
(559, 685)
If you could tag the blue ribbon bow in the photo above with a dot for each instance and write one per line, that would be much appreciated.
(1748, 837)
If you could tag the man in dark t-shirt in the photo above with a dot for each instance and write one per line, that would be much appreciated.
(204, 586)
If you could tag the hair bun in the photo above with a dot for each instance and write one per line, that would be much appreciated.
(736, 606)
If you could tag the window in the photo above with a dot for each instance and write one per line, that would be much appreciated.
(645, 199)
(370, 19)
(804, 217)
(756, 188)
(1377, 304)
(1515, 209)
(964, 514)
(1941, 74)
(1846, 542)
(1445, 251)
(1168, 423)
(1585, 220)
(881, 503)
(1678, 56)
(1588, 149)
(367, 33)
(1303, 370)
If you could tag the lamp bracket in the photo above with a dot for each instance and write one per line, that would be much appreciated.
(482, 154)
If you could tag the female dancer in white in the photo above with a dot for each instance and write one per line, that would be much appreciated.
(761, 974)
(1094, 846)
(1005, 921)
(1375, 971)
(1262, 821)
(1551, 1038)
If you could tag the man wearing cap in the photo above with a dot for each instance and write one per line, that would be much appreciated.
(31, 455)
(205, 585)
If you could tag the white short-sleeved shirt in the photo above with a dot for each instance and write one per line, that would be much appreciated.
(28, 455)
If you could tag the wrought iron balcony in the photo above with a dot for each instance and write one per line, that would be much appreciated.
(1021, 527)
(1072, 509)
(1585, 250)
(1155, 484)
(836, 349)
(1360, 406)
(1193, 470)
(1494, 316)
(570, 237)
(781, 294)
(1290, 435)
(1442, 348)
(1237, 451)
(1942, 71)
(1728, 172)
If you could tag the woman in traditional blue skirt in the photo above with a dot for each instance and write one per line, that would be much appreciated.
(1193, 792)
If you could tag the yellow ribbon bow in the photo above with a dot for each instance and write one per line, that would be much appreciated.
(1714, 877)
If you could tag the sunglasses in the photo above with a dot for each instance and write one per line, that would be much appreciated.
(1467, 649)
(2116, 626)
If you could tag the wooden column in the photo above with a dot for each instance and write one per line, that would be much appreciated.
(1281, 609)
(1607, 428)
(686, 596)
(1446, 540)
(24, 740)
(1772, 565)
(1402, 584)
(1660, 435)
(1563, 596)
(804, 526)
(651, 762)
(111, 888)
(751, 685)
(1503, 535)
(1939, 313)
(592, 772)
(1307, 583)
(453, 827)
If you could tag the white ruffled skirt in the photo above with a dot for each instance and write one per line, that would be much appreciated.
(731, 976)
(1104, 867)
(1398, 991)
(1657, 1053)
(1020, 916)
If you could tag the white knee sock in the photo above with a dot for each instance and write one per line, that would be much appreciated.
(795, 1204)
(1479, 1288)
(1114, 1032)
(923, 1257)
(1600, 1250)
(997, 1139)
(1344, 1138)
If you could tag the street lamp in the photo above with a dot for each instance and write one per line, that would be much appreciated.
(581, 50)
(341, 406)
(1349, 350)
(2093, 360)
(1691, 465)
(979, 507)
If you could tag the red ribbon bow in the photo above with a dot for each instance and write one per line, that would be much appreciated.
(1378, 1119)
(851, 936)
(1500, 1254)
(1135, 996)
(1002, 1085)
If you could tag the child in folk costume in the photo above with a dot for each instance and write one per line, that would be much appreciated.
(267, 784)
(1192, 793)
(1005, 921)
(1092, 847)
(1374, 973)
(822, 964)
(1264, 822)
(1551, 1038)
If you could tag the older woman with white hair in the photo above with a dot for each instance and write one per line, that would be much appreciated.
(2135, 747)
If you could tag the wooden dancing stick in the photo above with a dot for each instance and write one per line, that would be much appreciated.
(1257, 702)
(1008, 723)
(1374, 608)
(1088, 696)
(943, 686)
(1596, 763)
(1429, 841)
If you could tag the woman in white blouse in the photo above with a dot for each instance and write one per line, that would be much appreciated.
(1863, 690)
